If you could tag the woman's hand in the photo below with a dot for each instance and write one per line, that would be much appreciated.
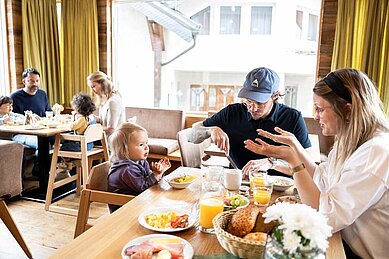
(282, 152)
(256, 165)
(220, 138)
(284, 137)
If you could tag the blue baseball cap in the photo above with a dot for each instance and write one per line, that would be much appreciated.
(260, 85)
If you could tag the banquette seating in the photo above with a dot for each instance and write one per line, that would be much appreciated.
(162, 126)
(11, 185)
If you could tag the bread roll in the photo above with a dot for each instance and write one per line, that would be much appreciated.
(256, 236)
(243, 221)
(260, 225)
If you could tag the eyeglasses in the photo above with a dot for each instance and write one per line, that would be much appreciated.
(255, 105)
(320, 110)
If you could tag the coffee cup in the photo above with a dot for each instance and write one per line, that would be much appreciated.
(232, 179)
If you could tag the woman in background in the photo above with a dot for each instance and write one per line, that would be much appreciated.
(111, 107)
(351, 188)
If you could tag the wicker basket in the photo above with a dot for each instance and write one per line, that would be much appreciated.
(237, 246)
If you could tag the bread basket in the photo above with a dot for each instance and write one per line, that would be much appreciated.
(237, 246)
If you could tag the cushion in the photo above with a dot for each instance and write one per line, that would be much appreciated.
(162, 146)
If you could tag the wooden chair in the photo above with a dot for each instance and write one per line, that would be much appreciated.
(96, 191)
(10, 223)
(192, 151)
(93, 133)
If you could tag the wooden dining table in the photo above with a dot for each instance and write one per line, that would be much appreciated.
(108, 237)
(43, 133)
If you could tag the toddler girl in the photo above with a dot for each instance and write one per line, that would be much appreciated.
(83, 107)
(130, 172)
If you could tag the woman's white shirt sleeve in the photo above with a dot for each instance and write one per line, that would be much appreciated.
(358, 203)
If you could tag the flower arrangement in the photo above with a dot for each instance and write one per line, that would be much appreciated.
(300, 228)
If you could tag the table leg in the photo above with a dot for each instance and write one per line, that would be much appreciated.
(44, 163)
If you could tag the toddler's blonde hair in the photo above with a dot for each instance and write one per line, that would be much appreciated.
(120, 139)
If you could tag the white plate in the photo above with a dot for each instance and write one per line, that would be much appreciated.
(29, 127)
(226, 207)
(188, 249)
(281, 188)
(142, 220)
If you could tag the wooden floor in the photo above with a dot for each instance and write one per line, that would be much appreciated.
(43, 231)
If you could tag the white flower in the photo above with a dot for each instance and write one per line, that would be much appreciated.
(302, 227)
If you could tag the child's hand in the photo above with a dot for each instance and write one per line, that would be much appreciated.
(161, 166)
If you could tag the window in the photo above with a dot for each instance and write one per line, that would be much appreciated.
(210, 75)
(261, 20)
(312, 27)
(230, 19)
(203, 18)
(299, 24)
(4, 73)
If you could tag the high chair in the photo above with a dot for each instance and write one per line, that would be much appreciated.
(93, 133)
(96, 191)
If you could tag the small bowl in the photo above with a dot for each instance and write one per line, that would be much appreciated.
(281, 183)
(289, 198)
(230, 207)
(171, 179)
(52, 124)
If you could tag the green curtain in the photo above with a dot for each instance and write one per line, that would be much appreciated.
(362, 41)
(41, 44)
(79, 45)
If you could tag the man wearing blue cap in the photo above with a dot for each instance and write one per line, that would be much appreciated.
(259, 109)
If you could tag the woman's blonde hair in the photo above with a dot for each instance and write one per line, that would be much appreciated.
(120, 139)
(107, 87)
(363, 121)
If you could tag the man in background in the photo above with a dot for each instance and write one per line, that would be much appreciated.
(30, 98)
(259, 109)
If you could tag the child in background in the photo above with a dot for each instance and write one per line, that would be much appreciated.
(130, 173)
(6, 114)
(83, 107)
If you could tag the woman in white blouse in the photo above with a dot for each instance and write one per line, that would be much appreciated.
(351, 188)
(111, 108)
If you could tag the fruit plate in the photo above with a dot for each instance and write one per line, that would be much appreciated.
(187, 252)
(244, 200)
(158, 212)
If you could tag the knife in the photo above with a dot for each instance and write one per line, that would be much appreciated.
(232, 162)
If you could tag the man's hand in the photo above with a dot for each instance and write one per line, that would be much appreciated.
(256, 165)
(220, 138)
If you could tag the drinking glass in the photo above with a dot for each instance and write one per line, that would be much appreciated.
(262, 193)
(212, 179)
(49, 115)
(257, 178)
(209, 208)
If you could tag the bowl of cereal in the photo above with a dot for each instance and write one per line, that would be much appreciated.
(281, 183)
(180, 181)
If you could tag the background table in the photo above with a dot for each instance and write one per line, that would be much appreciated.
(44, 161)
(107, 238)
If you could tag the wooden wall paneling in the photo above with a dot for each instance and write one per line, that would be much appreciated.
(104, 13)
(15, 43)
(328, 16)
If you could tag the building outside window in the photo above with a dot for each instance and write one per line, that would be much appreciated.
(230, 19)
(210, 74)
(261, 18)
(203, 18)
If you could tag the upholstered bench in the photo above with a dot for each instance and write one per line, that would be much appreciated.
(162, 126)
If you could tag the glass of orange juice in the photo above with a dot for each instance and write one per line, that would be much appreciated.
(209, 208)
(257, 178)
(262, 193)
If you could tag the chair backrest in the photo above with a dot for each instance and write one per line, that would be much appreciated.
(98, 176)
(191, 151)
(159, 123)
(94, 132)
(10, 168)
(325, 142)
(96, 191)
